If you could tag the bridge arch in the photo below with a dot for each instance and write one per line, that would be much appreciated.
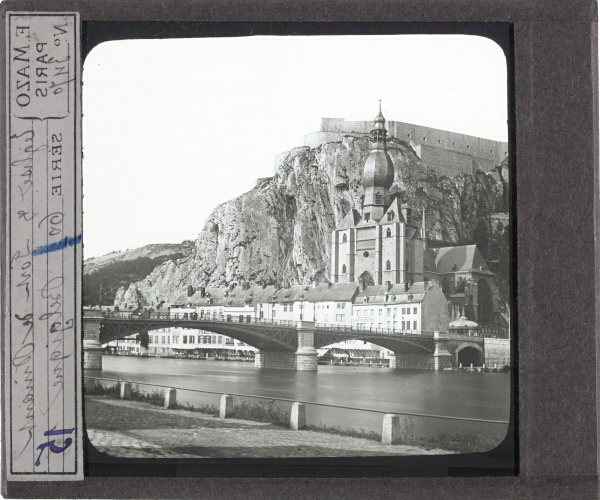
(469, 352)
(282, 338)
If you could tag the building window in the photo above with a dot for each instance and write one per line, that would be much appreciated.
(388, 231)
(344, 238)
(390, 215)
(414, 325)
(191, 339)
(291, 307)
(388, 266)
(185, 339)
(326, 318)
(380, 312)
(403, 310)
(344, 269)
(358, 312)
(340, 317)
(404, 325)
(415, 310)
(284, 308)
(389, 311)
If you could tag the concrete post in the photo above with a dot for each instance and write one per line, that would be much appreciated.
(92, 350)
(306, 355)
(125, 390)
(391, 429)
(90, 385)
(226, 408)
(298, 417)
(170, 398)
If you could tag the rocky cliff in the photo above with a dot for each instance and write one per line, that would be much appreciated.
(280, 231)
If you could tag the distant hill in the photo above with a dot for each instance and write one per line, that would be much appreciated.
(103, 276)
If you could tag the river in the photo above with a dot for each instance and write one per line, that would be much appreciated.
(473, 395)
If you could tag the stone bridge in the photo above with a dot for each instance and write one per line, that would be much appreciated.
(285, 345)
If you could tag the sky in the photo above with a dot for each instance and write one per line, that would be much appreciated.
(172, 128)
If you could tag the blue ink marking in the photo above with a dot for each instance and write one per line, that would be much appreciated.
(51, 445)
(59, 245)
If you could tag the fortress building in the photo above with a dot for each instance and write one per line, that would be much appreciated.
(385, 243)
(448, 153)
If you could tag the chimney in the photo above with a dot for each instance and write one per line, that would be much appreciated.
(388, 286)
(202, 292)
(406, 287)
(190, 290)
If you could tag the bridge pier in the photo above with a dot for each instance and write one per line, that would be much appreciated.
(92, 349)
(440, 359)
(304, 359)
(306, 355)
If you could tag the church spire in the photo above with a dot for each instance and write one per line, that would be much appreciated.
(378, 173)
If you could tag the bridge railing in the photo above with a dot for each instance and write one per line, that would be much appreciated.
(195, 317)
(350, 329)
(251, 320)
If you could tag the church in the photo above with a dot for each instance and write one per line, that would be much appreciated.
(386, 245)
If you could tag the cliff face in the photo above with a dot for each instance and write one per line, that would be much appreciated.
(281, 230)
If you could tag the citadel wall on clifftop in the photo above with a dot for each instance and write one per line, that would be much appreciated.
(448, 153)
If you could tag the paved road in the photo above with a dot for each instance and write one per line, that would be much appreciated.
(138, 430)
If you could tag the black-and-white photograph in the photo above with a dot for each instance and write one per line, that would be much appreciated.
(296, 246)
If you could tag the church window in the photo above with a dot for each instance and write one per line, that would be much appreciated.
(378, 198)
(366, 254)
(344, 238)
(344, 269)
(407, 135)
(388, 266)
(468, 147)
(388, 233)
(367, 216)
(424, 138)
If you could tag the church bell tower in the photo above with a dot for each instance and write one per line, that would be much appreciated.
(378, 173)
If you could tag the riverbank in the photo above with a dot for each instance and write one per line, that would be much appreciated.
(134, 429)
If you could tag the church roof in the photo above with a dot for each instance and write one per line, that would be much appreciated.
(395, 208)
(465, 258)
(351, 219)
